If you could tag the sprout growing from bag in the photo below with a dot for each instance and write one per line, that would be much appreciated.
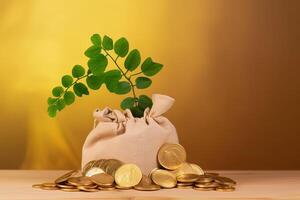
(128, 77)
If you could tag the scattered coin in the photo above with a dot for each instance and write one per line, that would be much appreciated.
(93, 171)
(211, 174)
(37, 185)
(204, 179)
(65, 186)
(49, 188)
(171, 156)
(128, 175)
(197, 169)
(225, 181)
(225, 189)
(122, 188)
(102, 179)
(187, 178)
(164, 178)
(151, 187)
(65, 177)
(70, 189)
(49, 184)
(87, 189)
(207, 185)
(106, 188)
(80, 181)
(203, 189)
(184, 186)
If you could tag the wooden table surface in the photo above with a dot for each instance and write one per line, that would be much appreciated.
(283, 185)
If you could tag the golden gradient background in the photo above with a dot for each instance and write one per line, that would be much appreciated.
(233, 67)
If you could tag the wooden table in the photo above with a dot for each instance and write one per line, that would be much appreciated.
(283, 185)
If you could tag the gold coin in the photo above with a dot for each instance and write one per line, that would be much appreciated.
(65, 186)
(102, 179)
(225, 189)
(187, 178)
(206, 185)
(171, 156)
(128, 175)
(94, 170)
(203, 189)
(150, 174)
(197, 169)
(164, 178)
(87, 189)
(122, 188)
(112, 165)
(151, 187)
(88, 166)
(211, 174)
(145, 180)
(70, 189)
(37, 185)
(204, 179)
(106, 188)
(185, 168)
(65, 177)
(225, 181)
(184, 186)
(49, 184)
(49, 188)
(80, 181)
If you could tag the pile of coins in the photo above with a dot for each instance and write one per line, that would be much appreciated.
(112, 174)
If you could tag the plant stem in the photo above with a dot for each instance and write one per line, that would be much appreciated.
(123, 73)
(135, 74)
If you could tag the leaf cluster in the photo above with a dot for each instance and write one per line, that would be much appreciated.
(133, 74)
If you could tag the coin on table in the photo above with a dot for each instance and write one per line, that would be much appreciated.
(50, 188)
(145, 180)
(60, 185)
(80, 181)
(204, 179)
(225, 181)
(150, 187)
(184, 186)
(203, 189)
(37, 185)
(112, 166)
(128, 175)
(207, 185)
(187, 178)
(65, 177)
(122, 188)
(49, 184)
(70, 189)
(87, 189)
(211, 174)
(88, 166)
(102, 179)
(150, 174)
(93, 171)
(197, 169)
(164, 178)
(225, 189)
(185, 168)
(171, 156)
(106, 188)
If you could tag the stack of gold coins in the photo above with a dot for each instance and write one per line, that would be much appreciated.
(110, 174)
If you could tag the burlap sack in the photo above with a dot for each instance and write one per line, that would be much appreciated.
(132, 140)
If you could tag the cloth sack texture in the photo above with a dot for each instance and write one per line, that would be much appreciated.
(119, 135)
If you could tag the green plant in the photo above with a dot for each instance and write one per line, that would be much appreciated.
(118, 81)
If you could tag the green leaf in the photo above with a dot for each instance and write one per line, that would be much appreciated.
(150, 68)
(107, 43)
(69, 97)
(123, 87)
(51, 100)
(113, 75)
(92, 51)
(142, 82)
(111, 85)
(60, 104)
(78, 71)
(133, 60)
(98, 64)
(96, 40)
(52, 110)
(137, 112)
(144, 102)
(57, 91)
(121, 47)
(67, 80)
(80, 89)
(95, 82)
(127, 103)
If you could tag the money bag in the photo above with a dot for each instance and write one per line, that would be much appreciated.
(121, 136)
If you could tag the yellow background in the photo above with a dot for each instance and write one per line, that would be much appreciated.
(232, 66)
